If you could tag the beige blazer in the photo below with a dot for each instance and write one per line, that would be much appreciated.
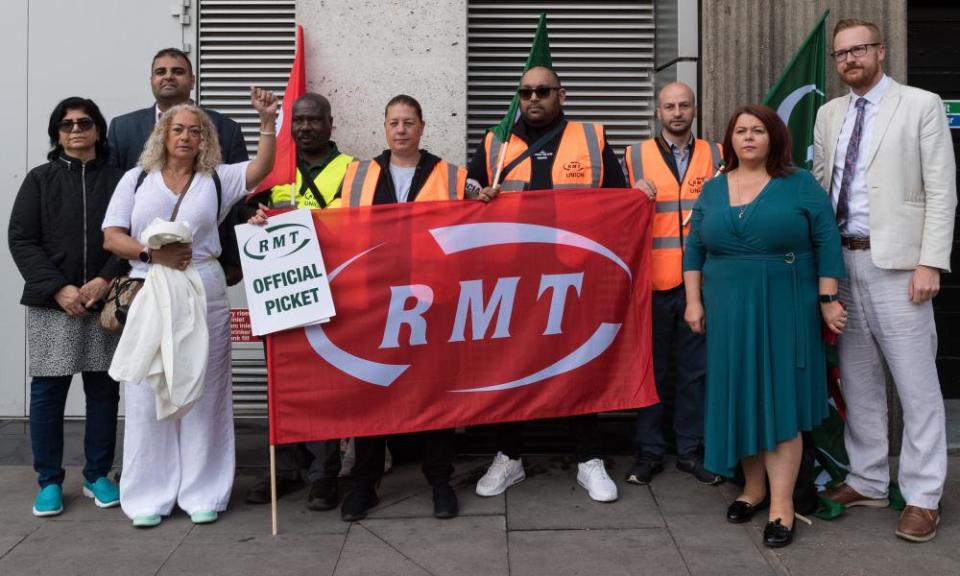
(911, 176)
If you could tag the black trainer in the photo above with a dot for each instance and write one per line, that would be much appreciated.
(323, 495)
(357, 503)
(643, 470)
(693, 465)
(445, 503)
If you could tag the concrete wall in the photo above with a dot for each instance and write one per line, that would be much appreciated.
(360, 53)
(746, 44)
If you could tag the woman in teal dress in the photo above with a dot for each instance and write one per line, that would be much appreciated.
(763, 245)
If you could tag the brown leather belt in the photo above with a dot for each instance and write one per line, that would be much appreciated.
(855, 242)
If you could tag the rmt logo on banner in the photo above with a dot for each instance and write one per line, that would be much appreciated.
(483, 286)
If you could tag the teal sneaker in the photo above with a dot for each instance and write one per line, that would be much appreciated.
(49, 501)
(104, 492)
(203, 517)
(147, 521)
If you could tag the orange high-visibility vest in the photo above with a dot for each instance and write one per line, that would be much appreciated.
(674, 202)
(445, 182)
(578, 163)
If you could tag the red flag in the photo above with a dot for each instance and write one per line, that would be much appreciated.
(459, 313)
(285, 160)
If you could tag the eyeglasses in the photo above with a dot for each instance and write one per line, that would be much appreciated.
(541, 92)
(858, 51)
(83, 124)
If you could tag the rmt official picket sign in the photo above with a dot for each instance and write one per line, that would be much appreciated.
(283, 273)
(454, 313)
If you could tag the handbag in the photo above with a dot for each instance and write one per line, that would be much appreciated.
(116, 305)
(123, 289)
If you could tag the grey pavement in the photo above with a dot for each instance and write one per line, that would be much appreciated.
(543, 526)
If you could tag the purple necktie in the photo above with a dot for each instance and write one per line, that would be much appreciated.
(850, 166)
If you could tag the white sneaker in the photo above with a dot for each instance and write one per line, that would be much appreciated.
(592, 475)
(502, 474)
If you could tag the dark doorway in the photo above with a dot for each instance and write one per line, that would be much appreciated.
(933, 63)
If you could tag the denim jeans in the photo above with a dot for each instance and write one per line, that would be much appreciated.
(672, 338)
(48, 398)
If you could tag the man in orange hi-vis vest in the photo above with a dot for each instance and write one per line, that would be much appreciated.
(546, 151)
(671, 168)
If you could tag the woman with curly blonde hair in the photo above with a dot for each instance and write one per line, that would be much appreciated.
(187, 461)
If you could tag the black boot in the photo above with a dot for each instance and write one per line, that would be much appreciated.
(358, 502)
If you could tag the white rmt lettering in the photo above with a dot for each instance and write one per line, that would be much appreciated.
(471, 301)
(398, 315)
(558, 297)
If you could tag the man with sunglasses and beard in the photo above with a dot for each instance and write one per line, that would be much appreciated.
(546, 151)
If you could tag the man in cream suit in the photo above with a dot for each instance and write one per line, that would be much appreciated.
(885, 154)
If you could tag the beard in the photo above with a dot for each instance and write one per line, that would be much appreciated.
(677, 130)
(861, 76)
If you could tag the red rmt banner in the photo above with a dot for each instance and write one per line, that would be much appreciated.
(450, 314)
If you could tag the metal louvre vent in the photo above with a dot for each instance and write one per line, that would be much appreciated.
(603, 52)
(244, 43)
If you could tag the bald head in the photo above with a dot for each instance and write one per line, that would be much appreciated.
(676, 109)
(541, 72)
(311, 125)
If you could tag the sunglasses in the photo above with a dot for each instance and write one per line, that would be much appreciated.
(83, 124)
(541, 92)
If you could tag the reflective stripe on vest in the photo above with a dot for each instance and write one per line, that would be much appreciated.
(357, 186)
(668, 242)
(451, 181)
(671, 205)
(635, 165)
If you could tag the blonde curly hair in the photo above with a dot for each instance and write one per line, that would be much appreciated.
(154, 156)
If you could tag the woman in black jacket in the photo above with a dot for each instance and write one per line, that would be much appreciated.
(57, 244)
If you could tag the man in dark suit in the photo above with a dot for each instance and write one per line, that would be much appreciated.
(172, 80)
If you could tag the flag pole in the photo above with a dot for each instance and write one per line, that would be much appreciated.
(500, 161)
(273, 486)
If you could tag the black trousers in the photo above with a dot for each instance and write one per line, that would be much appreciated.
(436, 446)
(673, 340)
(585, 430)
(321, 460)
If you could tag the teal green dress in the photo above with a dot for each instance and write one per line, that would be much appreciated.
(766, 371)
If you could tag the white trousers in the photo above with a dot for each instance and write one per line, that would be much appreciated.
(885, 326)
(189, 462)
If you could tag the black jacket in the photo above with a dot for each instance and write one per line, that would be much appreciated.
(54, 234)
(385, 192)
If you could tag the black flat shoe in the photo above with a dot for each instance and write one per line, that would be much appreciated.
(776, 535)
(741, 511)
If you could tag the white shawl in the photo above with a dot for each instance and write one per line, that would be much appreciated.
(165, 340)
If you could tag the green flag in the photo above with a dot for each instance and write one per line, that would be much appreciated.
(539, 56)
(800, 91)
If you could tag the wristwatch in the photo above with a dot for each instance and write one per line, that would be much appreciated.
(145, 256)
(827, 298)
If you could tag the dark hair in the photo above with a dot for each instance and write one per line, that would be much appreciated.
(90, 109)
(174, 53)
(779, 160)
(404, 99)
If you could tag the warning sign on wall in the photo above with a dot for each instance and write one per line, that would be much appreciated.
(240, 326)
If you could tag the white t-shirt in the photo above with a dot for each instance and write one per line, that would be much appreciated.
(402, 179)
(135, 209)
